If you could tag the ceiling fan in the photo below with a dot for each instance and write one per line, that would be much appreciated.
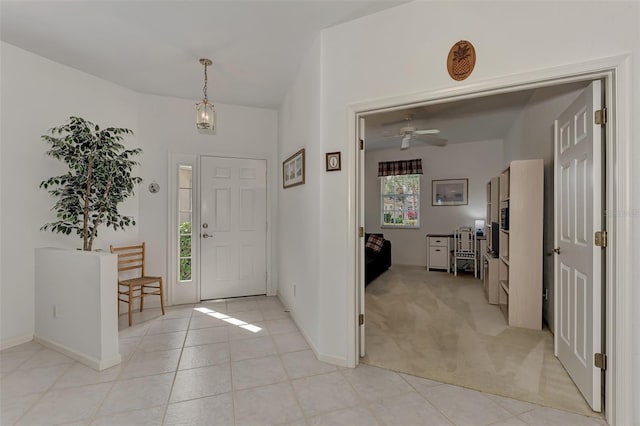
(409, 133)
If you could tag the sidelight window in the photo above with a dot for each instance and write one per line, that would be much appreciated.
(185, 219)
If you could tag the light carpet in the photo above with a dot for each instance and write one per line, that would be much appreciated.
(437, 326)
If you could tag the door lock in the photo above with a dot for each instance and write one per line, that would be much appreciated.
(556, 250)
(205, 225)
(205, 235)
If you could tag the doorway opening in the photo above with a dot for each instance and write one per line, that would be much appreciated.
(400, 108)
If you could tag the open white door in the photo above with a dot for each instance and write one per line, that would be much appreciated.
(578, 260)
(233, 227)
(361, 208)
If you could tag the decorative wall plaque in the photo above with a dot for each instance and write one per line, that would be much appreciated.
(333, 161)
(461, 60)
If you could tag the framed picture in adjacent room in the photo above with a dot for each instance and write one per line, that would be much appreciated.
(293, 170)
(449, 192)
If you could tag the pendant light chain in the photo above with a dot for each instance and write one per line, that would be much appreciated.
(204, 89)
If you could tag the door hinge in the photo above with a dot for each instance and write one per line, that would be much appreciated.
(600, 360)
(601, 239)
(600, 116)
(361, 232)
(361, 319)
(361, 144)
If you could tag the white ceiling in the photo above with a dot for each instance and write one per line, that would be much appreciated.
(473, 120)
(154, 46)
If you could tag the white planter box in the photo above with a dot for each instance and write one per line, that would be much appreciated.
(76, 309)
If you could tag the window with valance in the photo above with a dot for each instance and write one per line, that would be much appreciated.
(400, 193)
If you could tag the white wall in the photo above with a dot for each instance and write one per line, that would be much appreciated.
(167, 128)
(403, 51)
(476, 161)
(532, 137)
(76, 312)
(298, 218)
(38, 94)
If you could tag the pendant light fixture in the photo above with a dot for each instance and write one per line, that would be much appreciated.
(205, 114)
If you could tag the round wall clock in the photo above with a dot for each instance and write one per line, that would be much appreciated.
(461, 60)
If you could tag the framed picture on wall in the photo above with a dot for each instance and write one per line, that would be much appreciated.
(333, 161)
(449, 192)
(293, 170)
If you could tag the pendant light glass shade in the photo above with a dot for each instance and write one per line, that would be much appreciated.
(205, 113)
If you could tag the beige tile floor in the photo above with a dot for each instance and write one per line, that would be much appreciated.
(236, 362)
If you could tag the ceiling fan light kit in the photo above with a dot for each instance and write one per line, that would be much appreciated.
(205, 113)
(405, 142)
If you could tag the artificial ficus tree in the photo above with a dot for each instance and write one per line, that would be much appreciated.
(98, 180)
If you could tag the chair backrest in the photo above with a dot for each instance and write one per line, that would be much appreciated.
(465, 240)
(130, 258)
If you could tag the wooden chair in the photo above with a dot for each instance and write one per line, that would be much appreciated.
(464, 248)
(131, 258)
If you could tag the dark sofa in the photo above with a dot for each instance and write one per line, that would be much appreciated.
(376, 262)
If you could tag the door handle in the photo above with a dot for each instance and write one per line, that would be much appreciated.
(205, 235)
(556, 250)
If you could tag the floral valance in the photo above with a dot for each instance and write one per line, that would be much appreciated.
(403, 167)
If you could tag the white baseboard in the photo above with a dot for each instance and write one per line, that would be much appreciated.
(329, 359)
(89, 361)
(9, 343)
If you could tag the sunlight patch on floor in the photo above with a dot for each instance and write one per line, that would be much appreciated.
(224, 317)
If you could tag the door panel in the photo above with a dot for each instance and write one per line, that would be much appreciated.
(233, 227)
(578, 214)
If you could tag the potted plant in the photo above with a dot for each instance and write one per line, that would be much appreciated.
(76, 308)
(98, 180)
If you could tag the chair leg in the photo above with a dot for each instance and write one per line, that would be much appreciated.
(130, 303)
(141, 298)
(161, 296)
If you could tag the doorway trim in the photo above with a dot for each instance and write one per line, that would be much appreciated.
(615, 72)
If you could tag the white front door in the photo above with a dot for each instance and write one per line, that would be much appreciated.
(578, 261)
(232, 227)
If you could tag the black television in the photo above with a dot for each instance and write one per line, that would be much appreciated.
(495, 238)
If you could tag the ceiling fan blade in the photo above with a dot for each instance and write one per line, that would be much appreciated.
(427, 132)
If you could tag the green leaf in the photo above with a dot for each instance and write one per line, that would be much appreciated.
(93, 156)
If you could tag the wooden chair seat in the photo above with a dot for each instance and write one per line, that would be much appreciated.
(139, 281)
(131, 258)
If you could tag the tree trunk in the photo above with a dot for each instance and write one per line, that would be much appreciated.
(102, 209)
(85, 225)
